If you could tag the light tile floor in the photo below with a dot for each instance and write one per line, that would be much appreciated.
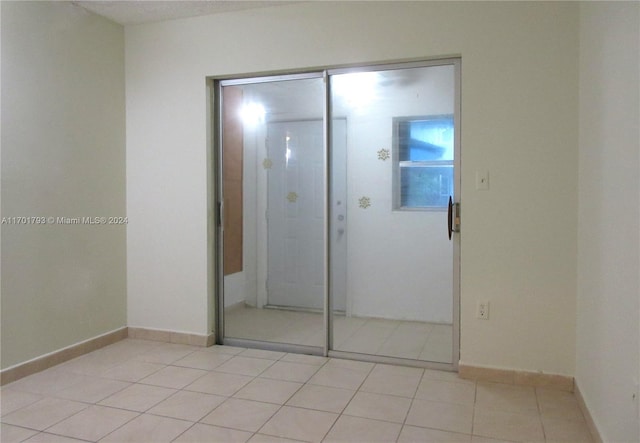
(393, 338)
(143, 391)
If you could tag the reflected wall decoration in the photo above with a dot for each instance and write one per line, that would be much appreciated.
(364, 202)
(292, 197)
(384, 154)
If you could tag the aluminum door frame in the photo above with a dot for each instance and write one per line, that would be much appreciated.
(327, 350)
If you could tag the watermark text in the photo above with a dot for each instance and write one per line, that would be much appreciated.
(61, 220)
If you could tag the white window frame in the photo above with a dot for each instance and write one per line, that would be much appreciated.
(398, 165)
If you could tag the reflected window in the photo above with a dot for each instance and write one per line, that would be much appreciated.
(423, 161)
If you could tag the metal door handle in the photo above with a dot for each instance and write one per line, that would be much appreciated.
(450, 218)
(453, 217)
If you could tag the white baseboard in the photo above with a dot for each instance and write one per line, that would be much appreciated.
(515, 377)
(183, 338)
(587, 415)
(54, 358)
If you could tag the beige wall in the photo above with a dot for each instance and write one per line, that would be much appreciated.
(608, 313)
(519, 121)
(62, 156)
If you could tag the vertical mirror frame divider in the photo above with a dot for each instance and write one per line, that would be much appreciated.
(457, 119)
(328, 310)
(218, 213)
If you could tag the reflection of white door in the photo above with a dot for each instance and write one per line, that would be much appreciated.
(295, 214)
(338, 216)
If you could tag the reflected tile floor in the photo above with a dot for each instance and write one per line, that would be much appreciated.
(391, 338)
(143, 391)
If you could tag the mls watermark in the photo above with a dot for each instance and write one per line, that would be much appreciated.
(51, 220)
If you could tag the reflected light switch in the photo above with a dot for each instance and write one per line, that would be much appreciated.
(482, 180)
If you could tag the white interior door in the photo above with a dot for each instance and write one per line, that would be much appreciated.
(338, 217)
(295, 215)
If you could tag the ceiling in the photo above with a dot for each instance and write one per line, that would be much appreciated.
(147, 11)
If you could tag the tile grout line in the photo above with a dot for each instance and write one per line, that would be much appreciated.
(349, 402)
(473, 412)
(413, 397)
(281, 406)
(544, 431)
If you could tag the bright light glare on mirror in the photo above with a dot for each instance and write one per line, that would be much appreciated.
(288, 153)
(252, 114)
(357, 89)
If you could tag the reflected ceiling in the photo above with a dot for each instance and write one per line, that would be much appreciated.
(147, 11)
